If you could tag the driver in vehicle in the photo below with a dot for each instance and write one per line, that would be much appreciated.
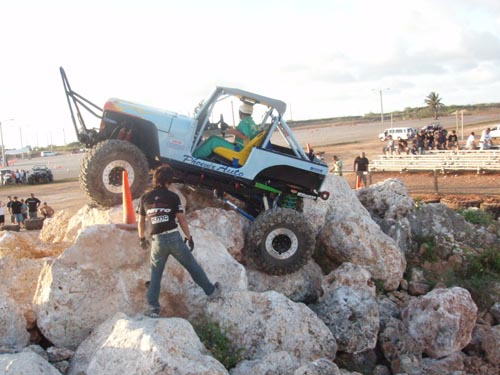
(246, 130)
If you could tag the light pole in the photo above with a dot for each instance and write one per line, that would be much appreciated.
(382, 104)
(1, 139)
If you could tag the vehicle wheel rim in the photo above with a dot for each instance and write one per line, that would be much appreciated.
(112, 175)
(281, 243)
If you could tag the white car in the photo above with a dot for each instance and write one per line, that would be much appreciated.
(495, 131)
(403, 133)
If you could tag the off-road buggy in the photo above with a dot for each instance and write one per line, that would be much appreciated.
(270, 176)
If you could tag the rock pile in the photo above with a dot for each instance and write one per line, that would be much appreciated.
(71, 300)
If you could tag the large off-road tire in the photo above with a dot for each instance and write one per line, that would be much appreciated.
(280, 241)
(102, 168)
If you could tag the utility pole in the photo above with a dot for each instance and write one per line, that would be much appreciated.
(381, 103)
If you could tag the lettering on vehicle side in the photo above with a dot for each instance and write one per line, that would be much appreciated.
(216, 168)
(313, 169)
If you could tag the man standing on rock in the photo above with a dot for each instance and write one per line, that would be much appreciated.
(33, 204)
(161, 208)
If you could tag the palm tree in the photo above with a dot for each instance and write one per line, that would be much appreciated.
(433, 101)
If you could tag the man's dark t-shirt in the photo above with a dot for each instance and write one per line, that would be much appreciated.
(16, 207)
(32, 203)
(160, 206)
(362, 164)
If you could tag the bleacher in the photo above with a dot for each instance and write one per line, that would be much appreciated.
(439, 160)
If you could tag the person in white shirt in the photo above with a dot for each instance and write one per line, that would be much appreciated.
(471, 142)
(485, 141)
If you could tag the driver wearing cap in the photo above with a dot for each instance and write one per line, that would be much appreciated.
(246, 130)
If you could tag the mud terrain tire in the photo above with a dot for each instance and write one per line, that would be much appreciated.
(280, 241)
(102, 167)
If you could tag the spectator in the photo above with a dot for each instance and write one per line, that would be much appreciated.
(430, 140)
(2, 214)
(452, 140)
(17, 211)
(24, 210)
(441, 140)
(421, 142)
(389, 149)
(403, 146)
(9, 207)
(471, 142)
(486, 140)
(46, 211)
(361, 168)
(337, 166)
(33, 204)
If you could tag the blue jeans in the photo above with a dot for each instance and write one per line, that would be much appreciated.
(19, 218)
(32, 214)
(167, 244)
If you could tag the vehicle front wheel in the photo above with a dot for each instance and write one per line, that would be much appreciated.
(102, 169)
(280, 241)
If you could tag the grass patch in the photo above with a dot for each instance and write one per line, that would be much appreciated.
(477, 217)
(217, 342)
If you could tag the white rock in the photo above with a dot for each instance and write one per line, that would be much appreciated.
(351, 235)
(273, 363)
(353, 317)
(18, 279)
(441, 321)
(262, 323)
(13, 334)
(301, 286)
(25, 245)
(54, 229)
(491, 345)
(25, 363)
(351, 275)
(322, 366)
(124, 345)
(228, 226)
(104, 272)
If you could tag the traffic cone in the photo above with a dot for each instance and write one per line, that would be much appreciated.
(358, 182)
(128, 206)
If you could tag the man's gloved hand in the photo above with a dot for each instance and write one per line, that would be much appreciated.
(144, 243)
(190, 242)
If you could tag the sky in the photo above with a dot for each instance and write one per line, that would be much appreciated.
(324, 58)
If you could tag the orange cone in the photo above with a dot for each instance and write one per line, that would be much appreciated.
(358, 182)
(128, 206)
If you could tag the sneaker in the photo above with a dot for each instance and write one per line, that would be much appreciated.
(216, 293)
(152, 313)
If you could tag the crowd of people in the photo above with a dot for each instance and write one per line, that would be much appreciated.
(18, 176)
(19, 210)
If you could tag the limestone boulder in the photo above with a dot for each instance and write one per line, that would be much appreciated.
(24, 363)
(491, 345)
(228, 226)
(452, 364)
(13, 333)
(352, 316)
(54, 229)
(322, 366)
(25, 245)
(272, 363)
(441, 321)
(125, 345)
(351, 235)
(351, 275)
(303, 285)
(264, 323)
(18, 280)
(400, 349)
(105, 272)
(387, 199)
(388, 310)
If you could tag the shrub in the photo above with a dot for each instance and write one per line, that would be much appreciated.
(477, 217)
(217, 342)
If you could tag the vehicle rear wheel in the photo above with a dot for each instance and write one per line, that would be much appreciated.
(102, 168)
(280, 241)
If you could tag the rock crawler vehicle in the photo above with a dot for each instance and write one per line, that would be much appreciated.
(270, 176)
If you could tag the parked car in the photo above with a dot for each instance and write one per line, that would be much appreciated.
(403, 133)
(495, 131)
(40, 174)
